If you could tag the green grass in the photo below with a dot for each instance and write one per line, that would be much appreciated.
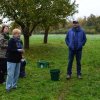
(38, 85)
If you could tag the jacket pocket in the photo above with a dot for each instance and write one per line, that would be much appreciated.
(71, 46)
(80, 45)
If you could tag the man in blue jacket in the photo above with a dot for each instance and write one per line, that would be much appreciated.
(75, 40)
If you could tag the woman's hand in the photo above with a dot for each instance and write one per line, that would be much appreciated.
(21, 50)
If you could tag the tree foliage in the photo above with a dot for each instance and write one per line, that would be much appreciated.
(29, 13)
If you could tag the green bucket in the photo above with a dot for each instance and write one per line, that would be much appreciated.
(55, 74)
(43, 64)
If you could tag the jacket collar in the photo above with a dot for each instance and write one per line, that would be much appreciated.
(76, 29)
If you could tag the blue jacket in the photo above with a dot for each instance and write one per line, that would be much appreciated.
(75, 39)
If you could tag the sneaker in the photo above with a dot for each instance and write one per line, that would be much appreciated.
(8, 90)
(79, 77)
(15, 87)
(68, 77)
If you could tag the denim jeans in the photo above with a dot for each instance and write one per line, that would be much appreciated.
(78, 54)
(13, 70)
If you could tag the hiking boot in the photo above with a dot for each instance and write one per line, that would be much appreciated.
(68, 77)
(79, 77)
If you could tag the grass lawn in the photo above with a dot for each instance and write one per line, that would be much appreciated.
(38, 85)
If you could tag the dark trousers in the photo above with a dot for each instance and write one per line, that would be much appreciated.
(3, 69)
(22, 69)
(77, 54)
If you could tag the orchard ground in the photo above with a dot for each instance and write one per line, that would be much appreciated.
(38, 86)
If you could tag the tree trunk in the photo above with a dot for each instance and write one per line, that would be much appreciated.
(26, 41)
(46, 35)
